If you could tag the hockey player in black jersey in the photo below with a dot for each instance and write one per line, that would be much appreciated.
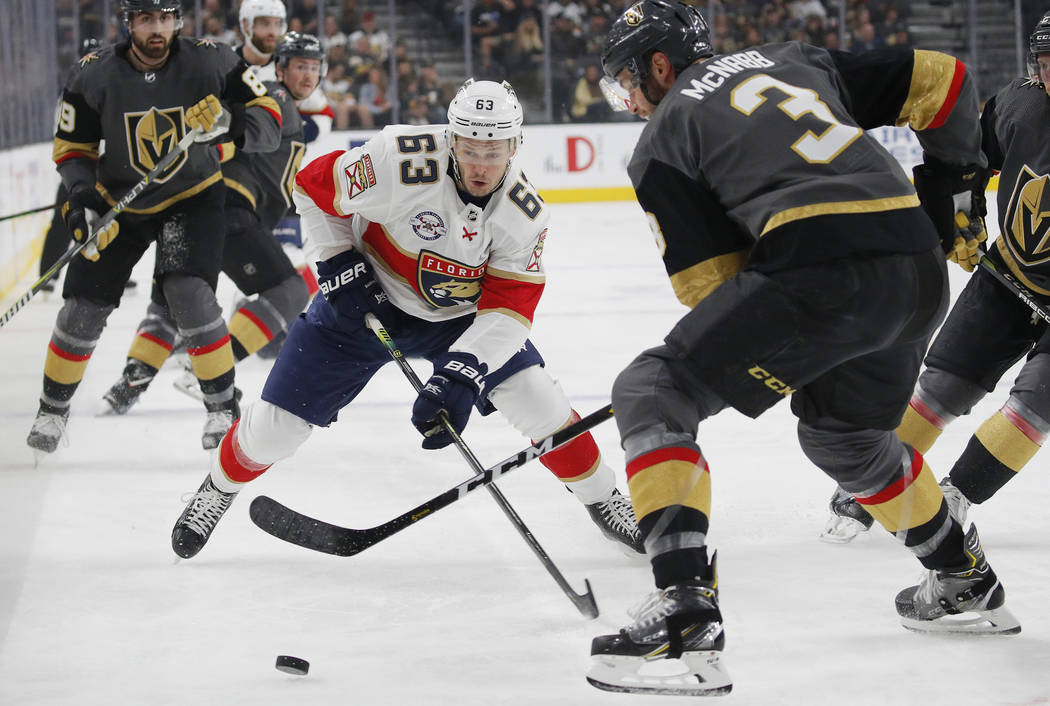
(961, 367)
(141, 97)
(811, 272)
(258, 194)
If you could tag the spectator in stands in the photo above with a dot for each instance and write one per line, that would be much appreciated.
(485, 24)
(437, 93)
(567, 8)
(378, 39)
(349, 17)
(486, 68)
(361, 59)
(864, 39)
(305, 12)
(813, 26)
(416, 112)
(589, 104)
(524, 56)
(831, 41)
(373, 108)
(340, 96)
(803, 9)
(333, 35)
(214, 28)
(566, 48)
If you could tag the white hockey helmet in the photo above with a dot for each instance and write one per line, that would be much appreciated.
(250, 9)
(486, 110)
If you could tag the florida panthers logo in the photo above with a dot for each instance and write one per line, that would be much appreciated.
(150, 136)
(444, 282)
(1028, 219)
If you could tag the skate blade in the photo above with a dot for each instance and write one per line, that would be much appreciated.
(190, 388)
(999, 621)
(106, 409)
(693, 674)
(841, 530)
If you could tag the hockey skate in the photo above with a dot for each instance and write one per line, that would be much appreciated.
(221, 417)
(848, 519)
(198, 520)
(49, 428)
(615, 517)
(673, 647)
(126, 391)
(967, 599)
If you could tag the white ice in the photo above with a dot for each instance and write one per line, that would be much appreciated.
(95, 610)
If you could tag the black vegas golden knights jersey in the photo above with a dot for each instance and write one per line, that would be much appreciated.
(1015, 123)
(266, 179)
(140, 116)
(760, 158)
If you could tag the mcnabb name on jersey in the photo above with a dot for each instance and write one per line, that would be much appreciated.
(719, 69)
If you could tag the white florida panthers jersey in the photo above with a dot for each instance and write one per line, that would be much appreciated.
(437, 257)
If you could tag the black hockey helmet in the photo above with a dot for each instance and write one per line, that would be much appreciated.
(128, 8)
(1038, 43)
(298, 44)
(673, 28)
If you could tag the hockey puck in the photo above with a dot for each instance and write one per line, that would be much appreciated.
(292, 665)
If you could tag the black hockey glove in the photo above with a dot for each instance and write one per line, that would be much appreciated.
(81, 213)
(453, 389)
(349, 284)
(953, 197)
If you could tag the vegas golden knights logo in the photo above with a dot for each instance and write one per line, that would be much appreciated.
(1028, 218)
(151, 135)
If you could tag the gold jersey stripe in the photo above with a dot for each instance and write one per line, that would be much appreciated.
(840, 207)
(240, 189)
(264, 102)
(693, 284)
(517, 276)
(62, 370)
(1006, 442)
(507, 312)
(1011, 263)
(182, 195)
(63, 148)
(917, 431)
(931, 80)
(671, 482)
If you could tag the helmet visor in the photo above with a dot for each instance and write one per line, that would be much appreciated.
(615, 94)
(482, 152)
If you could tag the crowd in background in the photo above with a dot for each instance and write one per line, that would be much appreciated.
(507, 41)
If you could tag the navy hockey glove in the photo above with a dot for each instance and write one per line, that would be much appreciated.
(453, 389)
(81, 212)
(349, 284)
(953, 197)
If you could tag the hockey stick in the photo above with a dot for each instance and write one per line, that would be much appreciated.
(124, 202)
(30, 212)
(286, 524)
(1022, 292)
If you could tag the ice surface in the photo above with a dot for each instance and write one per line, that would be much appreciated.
(95, 610)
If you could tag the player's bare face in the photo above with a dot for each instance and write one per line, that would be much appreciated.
(301, 76)
(482, 163)
(1044, 70)
(265, 32)
(152, 34)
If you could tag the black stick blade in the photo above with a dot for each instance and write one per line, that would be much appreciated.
(284, 523)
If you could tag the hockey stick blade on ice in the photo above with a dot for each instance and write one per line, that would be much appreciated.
(108, 218)
(287, 524)
(1010, 282)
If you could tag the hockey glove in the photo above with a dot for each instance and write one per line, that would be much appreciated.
(349, 284)
(953, 198)
(209, 118)
(452, 390)
(81, 215)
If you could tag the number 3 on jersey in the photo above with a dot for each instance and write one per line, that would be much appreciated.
(815, 149)
(410, 173)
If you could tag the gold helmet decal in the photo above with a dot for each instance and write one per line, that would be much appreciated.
(633, 15)
(1028, 218)
(151, 135)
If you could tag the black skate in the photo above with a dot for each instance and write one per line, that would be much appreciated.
(945, 593)
(197, 521)
(615, 517)
(126, 391)
(848, 519)
(49, 428)
(271, 349)
(221, 417)
(673, 647)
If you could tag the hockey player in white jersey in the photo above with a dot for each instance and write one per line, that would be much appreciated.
(435, 231)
